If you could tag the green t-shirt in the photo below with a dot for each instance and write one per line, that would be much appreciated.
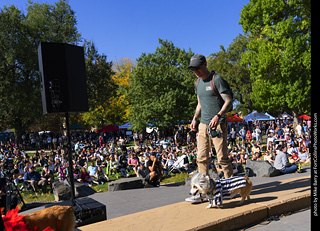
(210, 103)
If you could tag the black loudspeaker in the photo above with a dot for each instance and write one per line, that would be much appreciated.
(63, 78)
(88, 211)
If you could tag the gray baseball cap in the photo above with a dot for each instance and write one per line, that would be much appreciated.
(197, 60)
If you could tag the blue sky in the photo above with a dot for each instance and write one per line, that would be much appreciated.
(126, 28)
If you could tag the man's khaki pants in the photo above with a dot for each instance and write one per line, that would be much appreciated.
(220, 145)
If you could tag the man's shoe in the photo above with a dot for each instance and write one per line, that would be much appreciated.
(199, 198)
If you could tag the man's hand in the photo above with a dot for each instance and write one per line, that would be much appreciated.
(193, 125)
(214, 122)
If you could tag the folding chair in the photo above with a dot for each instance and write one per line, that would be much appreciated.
(179, 164)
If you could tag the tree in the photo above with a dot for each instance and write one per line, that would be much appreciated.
(101, 87)
(279, 53)
(162, 88)
(20, 101)
(122, 68)
(227, 63)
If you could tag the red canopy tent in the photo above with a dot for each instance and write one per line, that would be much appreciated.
(234, 118)
(109, 128)
(305, 117)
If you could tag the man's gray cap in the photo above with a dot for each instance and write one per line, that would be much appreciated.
(197, 60)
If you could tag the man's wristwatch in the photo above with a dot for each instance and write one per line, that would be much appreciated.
(219, 116)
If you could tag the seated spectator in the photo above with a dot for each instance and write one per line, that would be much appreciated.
(34, 178)
(242, 159)
(255, 149)
(170, 162)
(42, 161)
(62, 172)
(57, 165)
(133, 163)
(142, 171)
(92, 169)
(295, 157)
(290, 149)
(122, 162)
(268, 157)
(114, 166)
(83, 160)
(18, 175)
(48, 175)
(304, 156)
(85, 178)
(256, 156)
(101, 176)
(270, 146)
(282, 162)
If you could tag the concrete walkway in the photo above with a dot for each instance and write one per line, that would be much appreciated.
(270, 196)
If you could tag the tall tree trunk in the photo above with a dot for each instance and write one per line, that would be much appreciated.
(295, 118)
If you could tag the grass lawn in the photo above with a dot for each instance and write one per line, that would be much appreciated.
(42, 197)
(174, 178)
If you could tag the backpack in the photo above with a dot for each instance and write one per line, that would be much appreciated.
(215, 90)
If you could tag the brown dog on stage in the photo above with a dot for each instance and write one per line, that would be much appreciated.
(58, 218)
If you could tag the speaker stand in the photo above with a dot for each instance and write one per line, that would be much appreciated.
(70, 170)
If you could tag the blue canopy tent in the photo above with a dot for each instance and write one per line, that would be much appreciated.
(126, 126)
(271, 117)
(256, 116)
(76, 126)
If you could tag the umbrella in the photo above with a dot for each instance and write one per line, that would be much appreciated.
(234, 118)
(109, 128)
(305, 117)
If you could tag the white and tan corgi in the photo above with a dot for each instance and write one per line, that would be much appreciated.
(217, 190)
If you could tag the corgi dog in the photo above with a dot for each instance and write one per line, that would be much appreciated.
(217, 190)
(58, 218)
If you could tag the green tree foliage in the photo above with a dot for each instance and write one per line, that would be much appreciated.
(20, 34)
(227, 63)
(279, 53)
(162, 88)
(101, 87)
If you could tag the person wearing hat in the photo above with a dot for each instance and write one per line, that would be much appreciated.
(33, 177)
(213, 114)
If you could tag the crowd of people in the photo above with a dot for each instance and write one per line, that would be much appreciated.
(277, 136)
(97, 157)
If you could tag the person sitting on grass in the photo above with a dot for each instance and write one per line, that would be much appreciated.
(268, 157)
(142, 171)
(92, 169)
(86, 179)
(256, 156)
(34, 178)
(101, 176)
(48, 175)
(170, 162)
(304, 156)
(281, 161)
(133, 163)
(63, 172)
